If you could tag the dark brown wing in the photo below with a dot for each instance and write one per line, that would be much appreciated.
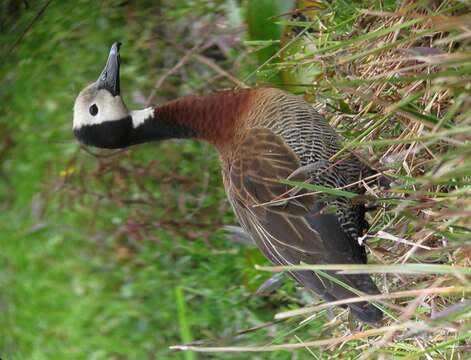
(291, 231)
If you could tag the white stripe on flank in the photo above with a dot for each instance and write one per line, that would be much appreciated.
(140, 116)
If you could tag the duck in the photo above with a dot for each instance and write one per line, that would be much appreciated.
(266, 138)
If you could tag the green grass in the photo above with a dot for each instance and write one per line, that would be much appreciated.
(121, 256)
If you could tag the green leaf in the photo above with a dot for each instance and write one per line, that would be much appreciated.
(321, 189)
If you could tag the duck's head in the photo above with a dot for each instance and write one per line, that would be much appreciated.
(101, 118)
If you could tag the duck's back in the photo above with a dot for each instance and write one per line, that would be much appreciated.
(303, 129)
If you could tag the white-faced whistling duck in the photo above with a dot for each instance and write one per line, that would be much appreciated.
(263, 136)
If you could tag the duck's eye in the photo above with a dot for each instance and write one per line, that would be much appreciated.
(93, 110)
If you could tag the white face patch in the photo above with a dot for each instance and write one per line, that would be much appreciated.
(140, 116)
(108, 107)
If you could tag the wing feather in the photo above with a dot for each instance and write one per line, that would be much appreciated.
(296, 231)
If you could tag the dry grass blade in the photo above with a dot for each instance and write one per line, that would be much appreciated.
(395, 295)
(316, 343)
(369, 269)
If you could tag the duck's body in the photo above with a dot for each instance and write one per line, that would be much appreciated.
(264, 136)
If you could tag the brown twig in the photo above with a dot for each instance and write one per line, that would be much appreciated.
(30, 25)
(171, 71)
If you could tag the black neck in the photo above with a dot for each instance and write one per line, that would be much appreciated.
(122, 133)
(159, 129)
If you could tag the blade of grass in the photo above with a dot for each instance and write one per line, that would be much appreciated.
(321, 189)
(370, 269)
(355, 291)
(394, 295)
(185, 332)
(465, 130)
(315, 343)
(442, 345)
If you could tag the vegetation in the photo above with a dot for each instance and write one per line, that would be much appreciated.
(120, 255)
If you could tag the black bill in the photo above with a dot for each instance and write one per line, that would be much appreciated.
(109, 78)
